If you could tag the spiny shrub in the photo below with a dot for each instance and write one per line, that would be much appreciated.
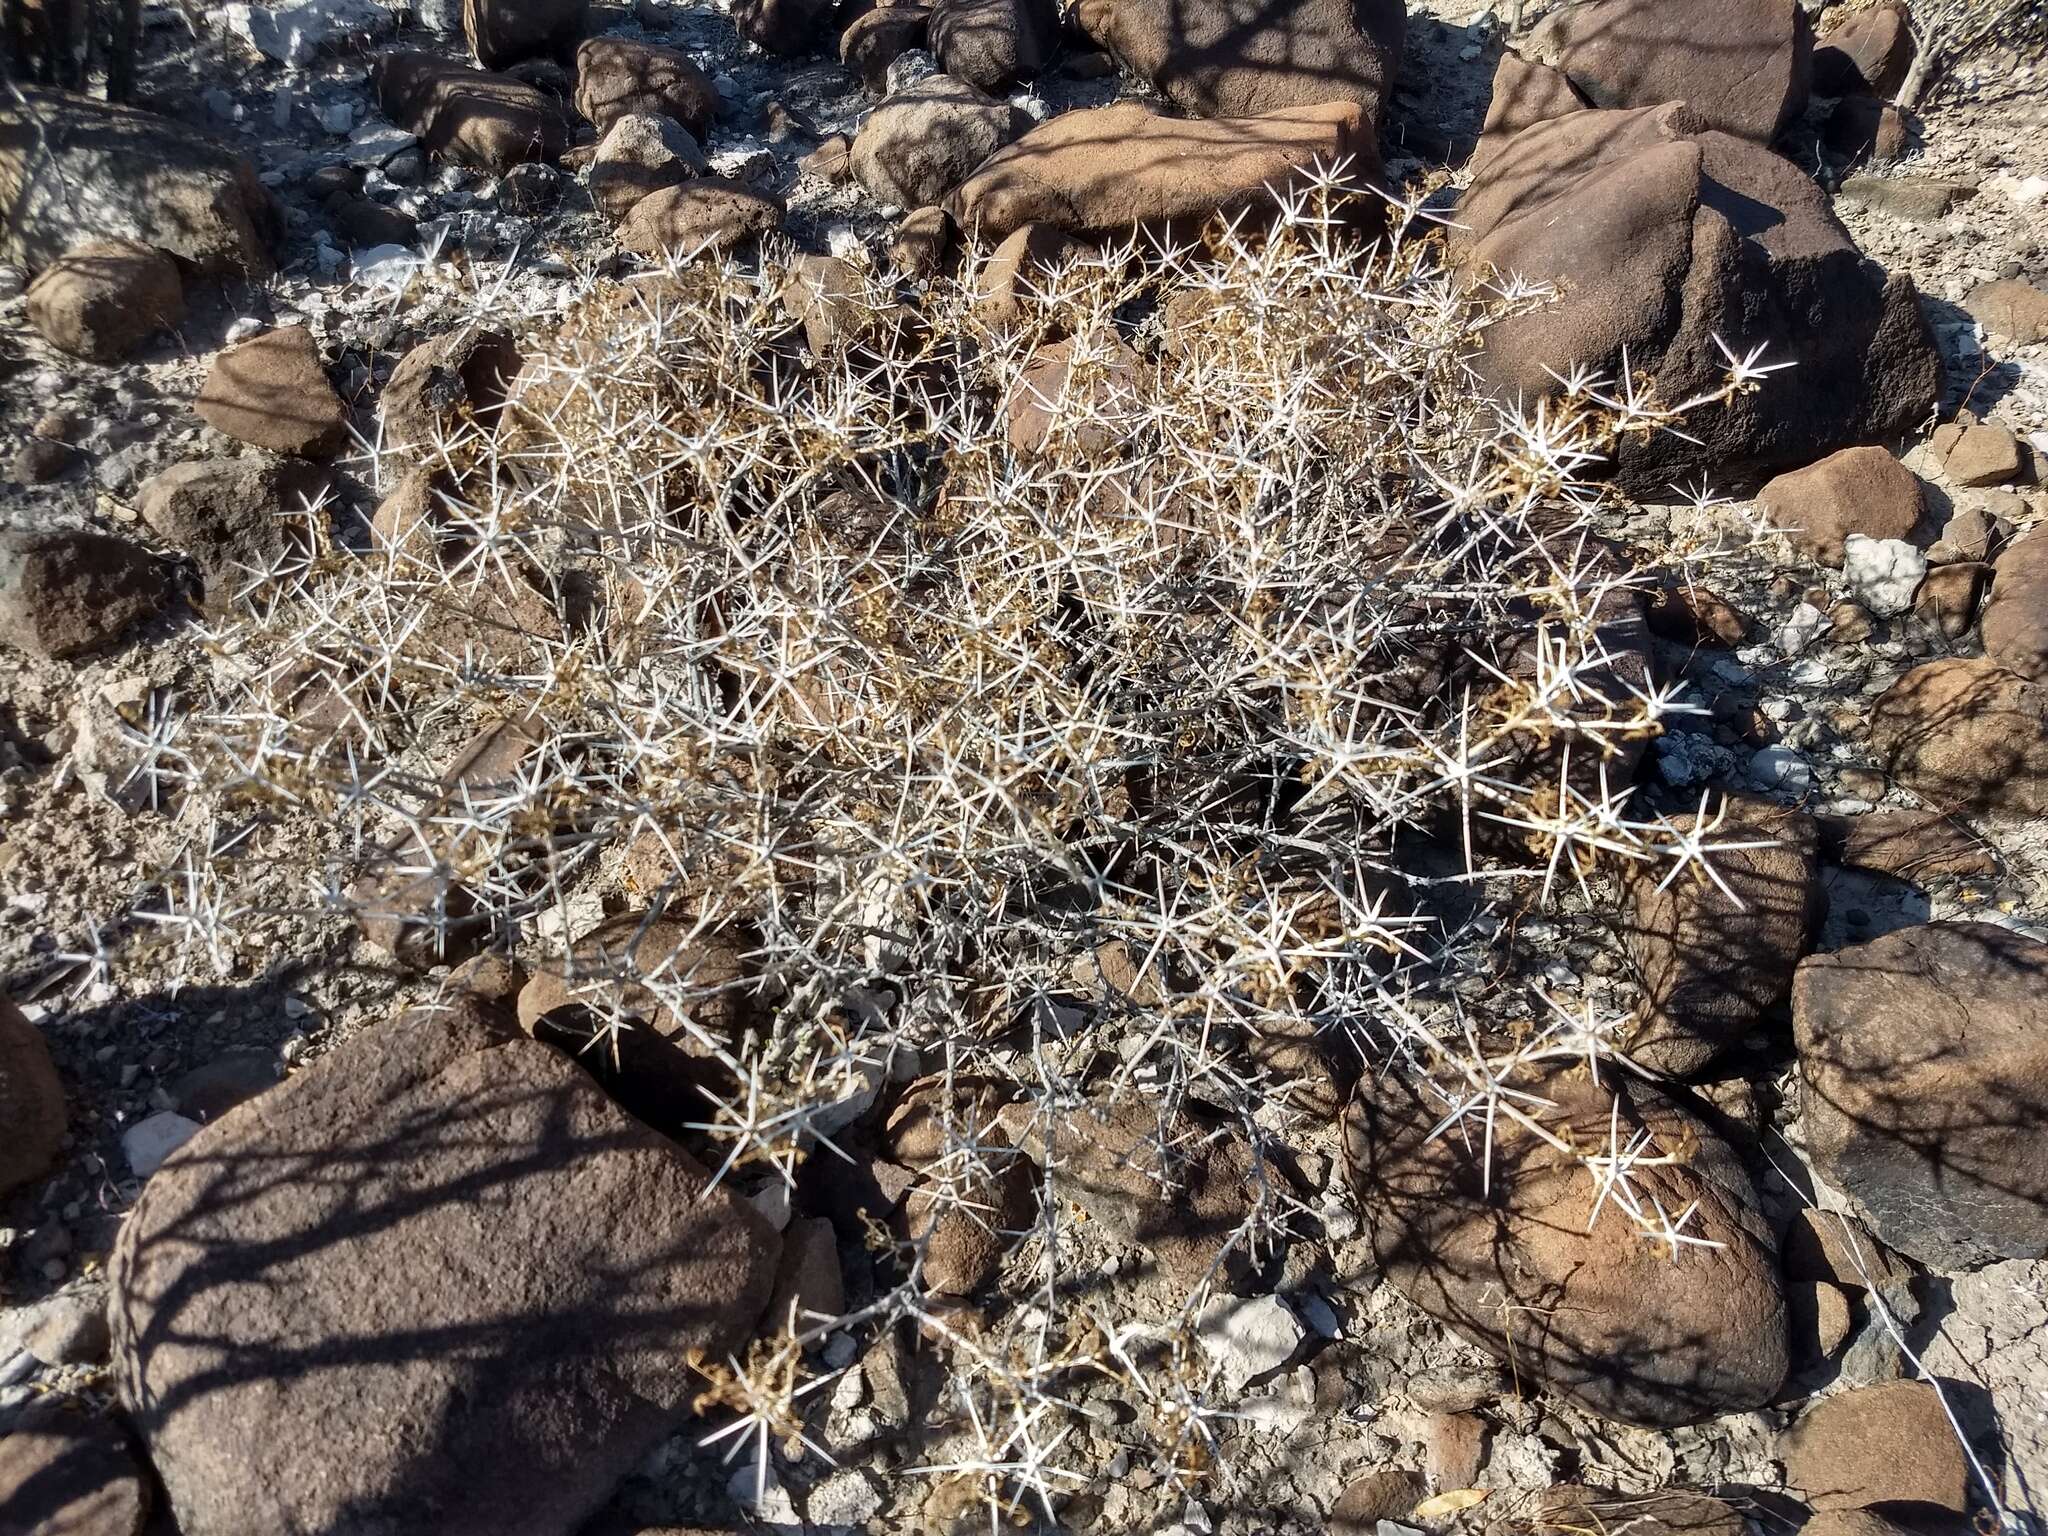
(1144, 694)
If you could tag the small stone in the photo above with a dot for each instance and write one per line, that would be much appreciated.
(273, 391)
(2011, 310)
(1882, 574)
(147, 1143)
(69, 1328)
(1388, 1495)
(101, 301)
(39, 461)
(1781, 768)
(1875, 1446)
(1947, 598)
(1982, 455)
(1248, 1338)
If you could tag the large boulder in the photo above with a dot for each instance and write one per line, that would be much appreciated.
(993, 43)
(236, 518)
(272, 391)
(438, 1282)
(921, 143)
(31, 1102)
(102, 300)
(1717, 947)
(464, 116)
(2015, 623)
(1924, 1060)
(503, 32)
(1102, 172)
(1966, 734)
(1668, 240)
(74, 170)
(1533, 1264)
(1244, 58)
(63, 592)
(1744, 66)
(618, 77)
(67, 1474)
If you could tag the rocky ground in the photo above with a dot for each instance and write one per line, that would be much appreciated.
(1836, 582)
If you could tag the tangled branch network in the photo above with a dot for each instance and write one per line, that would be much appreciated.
(1144, 693)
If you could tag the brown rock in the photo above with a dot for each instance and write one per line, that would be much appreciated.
(1163, 1187)
(2011, 310)
(1966, 734)
(993, 43)
(1862, 128)
(31, 1102)
(1571, 1509)
(1924, 1060)
(1453, 1449)
(2016, 614)
(1524, 93)
(1744, 66)
(443, 386)
(463, 116)
(73, 167)
(808, 1284)
(1652, 225)
(1712, 967)
(639, 157)
(832, 160)
(920, 144)
(1691, 615)
(1887, 1449)
(41, 460)
(102, 300)
(1098, 172)
(966, 1228)
(272, 391)
(503, 32)
(704, 217)
(1970, 535)
(1869, 52)
(1237, 58)
(1819, 1320)
(409, 904)
(1947, 598)
(437, 1282)
(875, 39)
(362, 223)
(1982, 454)
(235, 518)
(787, 27)
(617, 77)
(1911, 845)
(1839, 1249)
(1857, 1522)
(1019, 267)
(65, 1473)
(930, 1121)
(63, 593)
(924, 242)
(656, 1055)
(1078, 396)
(1387, 1494)
(1585, 1307)
(1857, 490)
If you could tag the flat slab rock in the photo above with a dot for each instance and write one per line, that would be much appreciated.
(438, 1282)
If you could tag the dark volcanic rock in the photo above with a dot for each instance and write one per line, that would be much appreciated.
(467, 117)
(64, 593)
